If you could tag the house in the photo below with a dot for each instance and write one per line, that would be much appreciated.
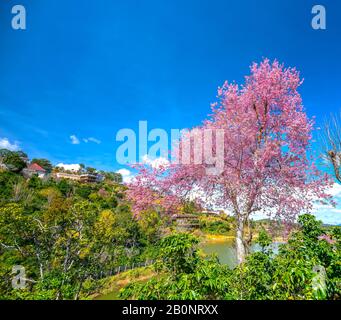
(88, 178)
(35, 169)
(83, 178)
(64, 175)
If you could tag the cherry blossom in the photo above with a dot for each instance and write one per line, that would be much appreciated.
(267, 139)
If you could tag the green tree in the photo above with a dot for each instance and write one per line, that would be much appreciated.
(90, 170)
(13, 161)
(35, 183)
(113, 176)
(65, 187)
(150, 223)
(264, 239)
(7, 182)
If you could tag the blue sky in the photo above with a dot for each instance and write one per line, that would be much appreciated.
(89, 68)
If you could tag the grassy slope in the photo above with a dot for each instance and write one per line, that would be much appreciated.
(113, 285)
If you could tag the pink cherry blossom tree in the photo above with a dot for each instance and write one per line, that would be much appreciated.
(265, 148)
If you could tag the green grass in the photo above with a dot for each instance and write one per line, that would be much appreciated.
(112, 285)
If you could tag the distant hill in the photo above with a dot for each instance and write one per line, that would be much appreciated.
(331, 225)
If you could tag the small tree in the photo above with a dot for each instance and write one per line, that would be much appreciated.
(13, 160)
(113, 176)
(90, 170)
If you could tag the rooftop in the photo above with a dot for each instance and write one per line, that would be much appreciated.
(35, 167)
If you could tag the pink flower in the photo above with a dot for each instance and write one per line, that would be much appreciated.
(326, 238)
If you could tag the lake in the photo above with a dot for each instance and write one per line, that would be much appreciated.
(226, 252)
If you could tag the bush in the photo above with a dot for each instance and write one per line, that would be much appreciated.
(214, 225)
(307, 267)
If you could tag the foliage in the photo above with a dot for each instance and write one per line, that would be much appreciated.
(215, 225)
(66, 235)
(7, 182)
(113, 176)
(183, 274)
(150, 223)
(35, 183)
(90, 170)
(307, 267)
(13, 160)
(264, 239)
(292, 273)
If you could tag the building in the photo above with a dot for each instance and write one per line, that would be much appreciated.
(88, 178)
(186, 222)
(34, 169)
(83, 178)
(70, 176)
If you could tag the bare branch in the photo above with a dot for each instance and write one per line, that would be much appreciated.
(331, 140)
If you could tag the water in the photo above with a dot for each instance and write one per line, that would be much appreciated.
(226, 252)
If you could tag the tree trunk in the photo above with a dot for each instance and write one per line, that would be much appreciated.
(240, 246)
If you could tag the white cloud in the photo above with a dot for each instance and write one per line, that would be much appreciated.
(70, 167)
(335, 190)
(92, 139)
(74, 139)
(327, 213)
(6, 144)
(329, 216)
(155, 163)
(126, 174)
(324, 212)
